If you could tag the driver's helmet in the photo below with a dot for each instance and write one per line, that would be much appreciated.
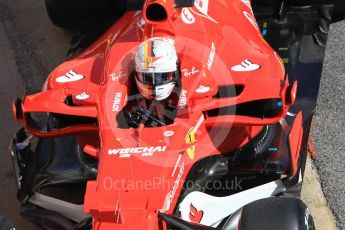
(156, 68)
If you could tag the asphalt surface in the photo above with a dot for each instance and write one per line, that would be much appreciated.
(329, 124)
(31, 47)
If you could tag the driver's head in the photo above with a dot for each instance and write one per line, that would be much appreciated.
(156, 68)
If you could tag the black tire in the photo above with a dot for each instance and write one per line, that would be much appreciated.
(73, 13)
(5, 224)
(283, 213)
(339, 11)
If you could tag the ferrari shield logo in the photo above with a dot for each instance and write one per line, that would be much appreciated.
(191, 152)
(189, 140)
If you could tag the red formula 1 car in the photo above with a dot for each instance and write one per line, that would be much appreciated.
(226, 149)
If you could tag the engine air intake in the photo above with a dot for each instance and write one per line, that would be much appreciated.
(156, 13)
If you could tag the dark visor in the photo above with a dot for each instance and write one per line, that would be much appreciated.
(156, 78)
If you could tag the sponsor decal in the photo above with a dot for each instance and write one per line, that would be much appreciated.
(203, 89)
(202, 6)
(191, 152)
(245, 66)
(291, 114)
(187, 14)
(117, 76)
(187, 17)
(198, 124)
(183, 99)
(189, 73)
(143, 151)
(149, 54)
(168, 133)
(211, 57)
(116, 102)
(280, 62)
(190, 139)
(215, 209)
(149, 61)
(251, 19)
(83, 96)
(166, 140)
(70, 76)
(195, 215)
(177, 182)
(247, 3)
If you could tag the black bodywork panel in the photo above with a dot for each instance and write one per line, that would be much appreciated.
(55, 167)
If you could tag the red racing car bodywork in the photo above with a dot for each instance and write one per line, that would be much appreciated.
(233, 87)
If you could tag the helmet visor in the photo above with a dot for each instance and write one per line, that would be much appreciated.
(155, 78)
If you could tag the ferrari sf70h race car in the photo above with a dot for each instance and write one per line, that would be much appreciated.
(227, 148)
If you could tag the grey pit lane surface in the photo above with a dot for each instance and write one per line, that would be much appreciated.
(31, 47)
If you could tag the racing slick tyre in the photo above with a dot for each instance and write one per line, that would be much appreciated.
(283, 213)
(72, 13)
(5, 224)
